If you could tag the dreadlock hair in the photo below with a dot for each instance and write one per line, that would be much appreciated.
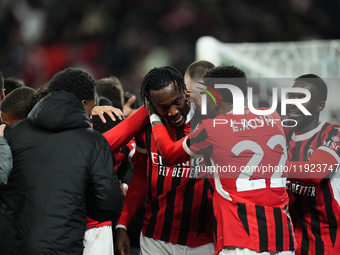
(159, 78)
(226, 75)
(320, 85)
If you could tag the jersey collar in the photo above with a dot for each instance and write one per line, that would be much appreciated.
(191, 112)
(309, 134)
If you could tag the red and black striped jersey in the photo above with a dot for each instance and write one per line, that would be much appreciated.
(126, 153)
(248, 154)
(315, 206)
(178, 205)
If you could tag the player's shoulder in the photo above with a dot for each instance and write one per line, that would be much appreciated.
(333, 126)
(329, 127)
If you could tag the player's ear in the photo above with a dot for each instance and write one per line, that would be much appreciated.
(321, 106)
(187, 94)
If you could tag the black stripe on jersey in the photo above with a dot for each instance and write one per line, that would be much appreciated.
(304, 246)
(289, 136)
(262, 226)
(327, 196)
(278, 228)
(200, 138)
(315, 225)
(333, 132)
(171, 197)
(154, 204)
(203, 215)
(290, 229)
(296, 152)
(187, 202)
(147, 137)
(306, 148)
(186, 211)
(242, 215)
(326, 125)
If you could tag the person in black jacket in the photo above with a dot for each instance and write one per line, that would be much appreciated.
(62, 171)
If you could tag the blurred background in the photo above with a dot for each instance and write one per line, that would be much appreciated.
(128, 38)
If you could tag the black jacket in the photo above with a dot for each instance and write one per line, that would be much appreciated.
(62, 170)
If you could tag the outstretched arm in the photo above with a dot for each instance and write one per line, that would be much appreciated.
(172, 152)
(121, 134)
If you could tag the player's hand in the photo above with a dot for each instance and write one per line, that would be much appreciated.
(122, 245)
(100, 110)
(150, 107)
(2, 127)
(127, 107)
(196, 98)
(124, 188)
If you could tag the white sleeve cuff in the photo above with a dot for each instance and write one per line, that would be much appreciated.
(154, 117)
(187, 150)
(121, 226)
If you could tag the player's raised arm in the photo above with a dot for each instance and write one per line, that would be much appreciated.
(121, 134)
(172, 152)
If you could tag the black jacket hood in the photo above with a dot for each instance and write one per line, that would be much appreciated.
(58, 111)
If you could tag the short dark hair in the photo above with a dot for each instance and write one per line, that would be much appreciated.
(103, 127)
(1, 81)
(197, 69)
(320, 85)
(159, 78)
(228, 75)
(11, 84)
(19, 102)
(75, 81)
(112, 89)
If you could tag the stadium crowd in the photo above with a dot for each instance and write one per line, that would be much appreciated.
(127, 38)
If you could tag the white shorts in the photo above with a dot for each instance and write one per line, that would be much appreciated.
(150, 246)
(98, 241)
(245, 251)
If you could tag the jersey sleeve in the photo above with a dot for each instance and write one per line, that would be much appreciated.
(172, 152)
(330, 142)
(319, 166)
(180, 151)
(121, 134)
(198, 143)
(137, 189)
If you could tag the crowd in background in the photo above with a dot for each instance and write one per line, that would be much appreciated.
(128, 38)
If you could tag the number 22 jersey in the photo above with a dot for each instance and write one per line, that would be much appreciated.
(250, 200)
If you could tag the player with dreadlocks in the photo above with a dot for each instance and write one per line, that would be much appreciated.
(178, 210)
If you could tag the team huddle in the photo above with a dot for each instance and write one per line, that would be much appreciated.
(64, 171)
